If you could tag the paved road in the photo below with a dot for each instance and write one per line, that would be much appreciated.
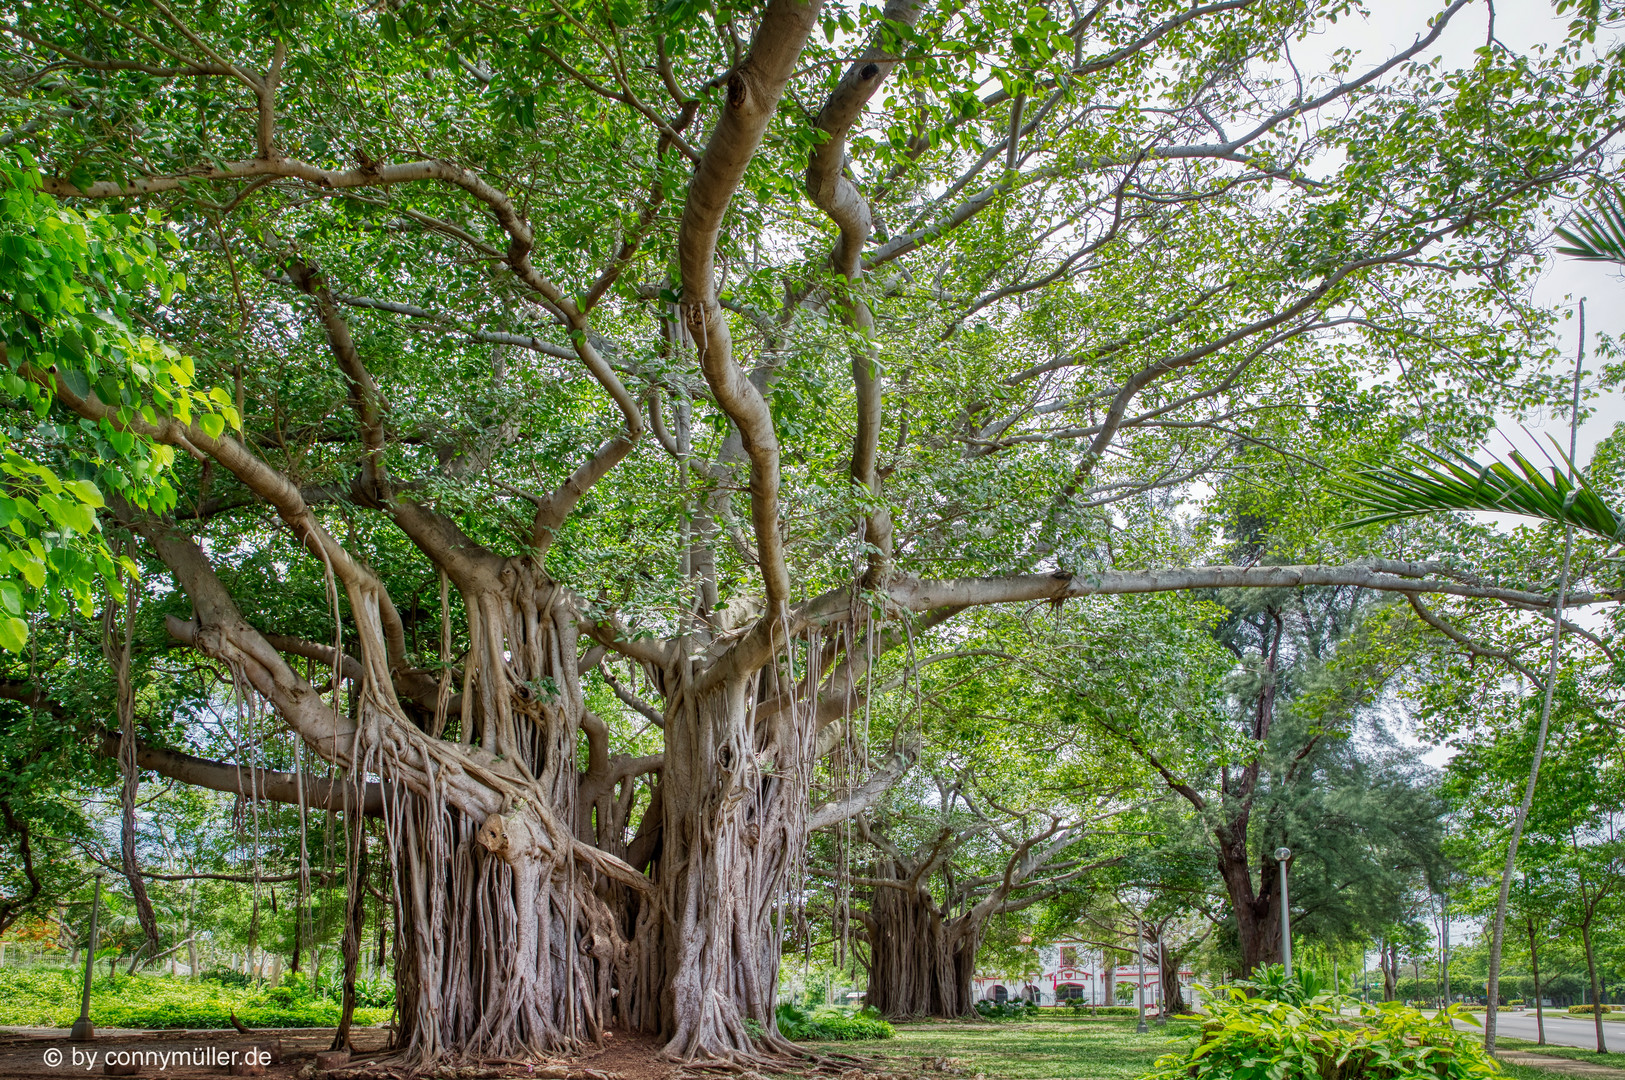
(1561, 1029)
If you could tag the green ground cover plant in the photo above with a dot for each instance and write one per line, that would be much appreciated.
(1006, 1010)
(51, 999)
(1078, 1008)
(1279, 1029)
(831, 1025)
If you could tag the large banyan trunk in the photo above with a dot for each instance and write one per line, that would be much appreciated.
(734, 796)
(504, 946)
(921, 964)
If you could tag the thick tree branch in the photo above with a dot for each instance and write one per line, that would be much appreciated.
(754, 90)
(863, 796)
(921, 595)
(251, 781)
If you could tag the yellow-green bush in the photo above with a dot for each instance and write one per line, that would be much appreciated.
(1259, 1038)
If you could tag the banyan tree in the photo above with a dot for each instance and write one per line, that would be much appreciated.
(699, 358)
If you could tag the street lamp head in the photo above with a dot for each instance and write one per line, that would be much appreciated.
(1282, 854)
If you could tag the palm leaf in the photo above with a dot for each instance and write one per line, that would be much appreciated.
(1432, 482)
(1598, 236)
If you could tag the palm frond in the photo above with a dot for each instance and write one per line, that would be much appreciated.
(1432, 482)
(1598, 236)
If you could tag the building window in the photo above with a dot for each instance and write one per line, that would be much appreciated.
(1069, 956)
(1068, 992)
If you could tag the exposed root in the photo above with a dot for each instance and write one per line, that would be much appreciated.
(490, 1071)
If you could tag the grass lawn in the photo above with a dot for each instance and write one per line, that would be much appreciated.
(1530, 1072)
(1613, 1061)
(1046, 1048)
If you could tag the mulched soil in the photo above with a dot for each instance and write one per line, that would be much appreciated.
(631, 1055)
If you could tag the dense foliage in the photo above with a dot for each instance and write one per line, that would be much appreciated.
(830, 1025)
(51, 999)
(1251, 1036)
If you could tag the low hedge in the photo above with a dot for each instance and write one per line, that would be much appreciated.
(1590, 1010)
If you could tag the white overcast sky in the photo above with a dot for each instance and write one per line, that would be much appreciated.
(1392, 25)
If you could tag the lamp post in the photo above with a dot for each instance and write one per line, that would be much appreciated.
(1444, 945)
(1162, 986)
(83, 1030)
(1282, 854)
(1139, 947)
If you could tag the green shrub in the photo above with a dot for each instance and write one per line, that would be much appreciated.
(373, 993)
(226, 976)
(831, 1025)
(852, 1026)
(1272, 1038)
(1006, 1010)
(1589, 1010)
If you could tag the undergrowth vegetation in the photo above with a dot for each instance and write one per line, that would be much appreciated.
(831, 1025)
(1278, 1029)
(1006, 1010)
(50, 998)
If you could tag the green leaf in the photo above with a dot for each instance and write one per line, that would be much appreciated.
(33, 572)
(1598, 236)
(1458, 482)
(85, 492)
(13, 634)
(213, 424)
(75, 381)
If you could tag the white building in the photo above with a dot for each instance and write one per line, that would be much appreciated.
(1072, 971)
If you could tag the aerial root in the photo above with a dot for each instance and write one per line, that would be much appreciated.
(489, 1071)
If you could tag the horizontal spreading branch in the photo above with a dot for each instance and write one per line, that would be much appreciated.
(1385, 576)
(251, 782)
(861, 797)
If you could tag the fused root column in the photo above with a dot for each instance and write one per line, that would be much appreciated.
(735, 804)
(507, 947)
(922, 962)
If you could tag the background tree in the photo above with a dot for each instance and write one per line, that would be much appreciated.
(1251, 720)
